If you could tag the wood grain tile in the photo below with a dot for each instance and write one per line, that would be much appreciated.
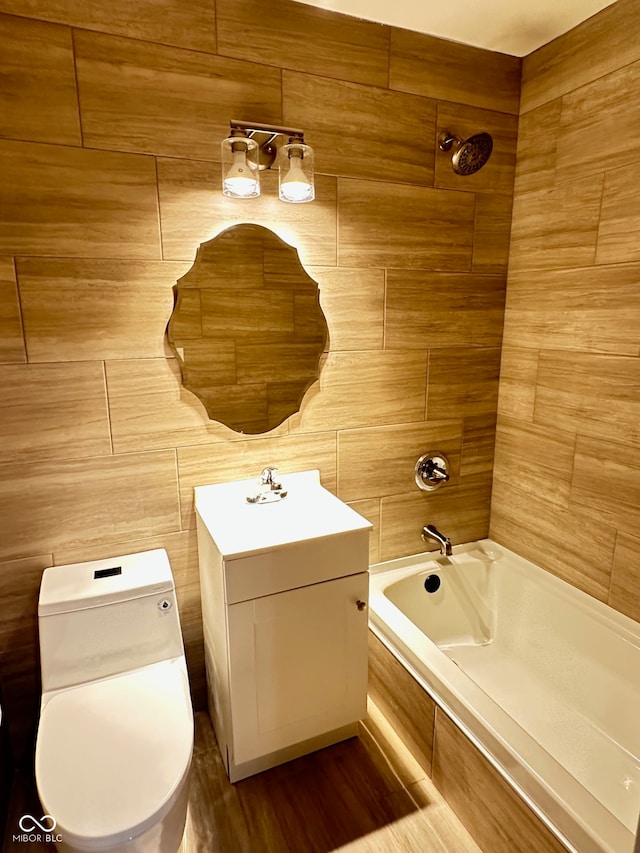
(463, 121)
(401, 761)
(586, 145)
(619, 218)
(388, 752)
(432, 309)
(52, 505)
(19, 590)
(20, 701)
(260, 310)
(304, 38)
(95, 309)
(609, 40)
(186, 25)
(53, 411)
(365, 389)
(606, 482)
(402, 226)
(182, 549)
(150, 409)
(478, 443)
(12, 348)
(591, 309)
(449, 71)
(71, 202)
(153, 99)
(556, 228)
(460, 511)
(491, 233)
(594, 395)
(245, 407)
(517, 387)
(537, 143)
(308, 787)
(215, 819)
(444, 821)
(356, 322)
(463, 382)
(240, 460)
(38, 100)
(362, 131)
(360, 451)
(193, 210)
(370, 509)
(361, 781)
(526, 452)
(265, 365)
(563, 541)
(624, 594)
(402, 701)
(484, 802)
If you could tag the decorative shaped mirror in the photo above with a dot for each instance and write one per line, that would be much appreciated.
(247, 329)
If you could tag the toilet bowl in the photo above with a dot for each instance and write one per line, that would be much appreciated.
(115, 735)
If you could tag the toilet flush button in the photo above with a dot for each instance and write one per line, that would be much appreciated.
(164, 605)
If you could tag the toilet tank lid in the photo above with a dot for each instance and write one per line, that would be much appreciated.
(79, 586)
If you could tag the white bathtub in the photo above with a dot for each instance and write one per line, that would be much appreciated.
(543, 678)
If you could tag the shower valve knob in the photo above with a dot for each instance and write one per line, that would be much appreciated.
(431, 470)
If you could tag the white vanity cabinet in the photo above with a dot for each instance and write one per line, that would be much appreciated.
(285, 590)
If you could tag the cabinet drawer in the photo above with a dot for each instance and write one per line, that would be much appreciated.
(296, 565)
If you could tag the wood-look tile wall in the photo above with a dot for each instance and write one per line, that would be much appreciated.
(566, 488)
(111, 118)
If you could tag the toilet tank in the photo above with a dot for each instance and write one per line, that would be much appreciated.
(106, 617)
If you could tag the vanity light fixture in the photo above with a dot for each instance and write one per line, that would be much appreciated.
(240, 173)
(251, 148)
(296, 171)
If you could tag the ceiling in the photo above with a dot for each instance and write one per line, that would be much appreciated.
(516, 27)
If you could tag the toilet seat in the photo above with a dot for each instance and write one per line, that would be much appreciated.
(111, 755)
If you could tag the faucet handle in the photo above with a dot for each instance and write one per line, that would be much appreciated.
(267, 478)
(431, 470)
(269, 489)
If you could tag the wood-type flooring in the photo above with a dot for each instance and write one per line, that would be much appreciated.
(364, 795)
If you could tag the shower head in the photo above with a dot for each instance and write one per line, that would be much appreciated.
(470, 154)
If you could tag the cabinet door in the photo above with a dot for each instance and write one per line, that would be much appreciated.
(298, 664)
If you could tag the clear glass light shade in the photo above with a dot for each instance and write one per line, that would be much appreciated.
(240, 175)
(296, 172)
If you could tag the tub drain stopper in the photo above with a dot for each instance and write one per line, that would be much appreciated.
(432, 583)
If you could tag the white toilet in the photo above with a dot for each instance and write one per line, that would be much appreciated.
(115, 735)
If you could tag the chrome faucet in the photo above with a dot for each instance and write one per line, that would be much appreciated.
(269, 489)
(267, 479)
(429, 531)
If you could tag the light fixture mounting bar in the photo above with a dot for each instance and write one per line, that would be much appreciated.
(253, 126)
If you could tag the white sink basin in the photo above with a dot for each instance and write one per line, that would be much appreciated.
(308, 512)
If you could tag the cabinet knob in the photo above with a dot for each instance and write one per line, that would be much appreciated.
(361, 604)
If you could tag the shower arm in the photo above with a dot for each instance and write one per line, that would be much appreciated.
(446, 140)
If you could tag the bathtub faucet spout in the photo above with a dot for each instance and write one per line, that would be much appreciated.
(429, 531)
